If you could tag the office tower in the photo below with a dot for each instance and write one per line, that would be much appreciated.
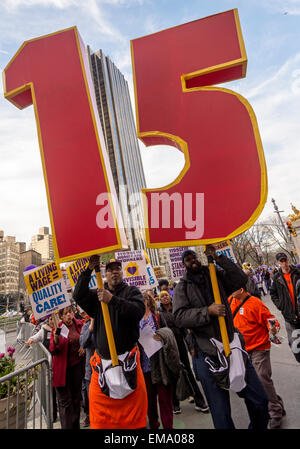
(42, 243)
(9, 265)
(27, 258)
(116, 118)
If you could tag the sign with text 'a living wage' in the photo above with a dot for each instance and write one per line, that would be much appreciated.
(74, 270)
(47, 289)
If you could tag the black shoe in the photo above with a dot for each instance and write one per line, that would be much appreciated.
(176, 410)
(86, 422)
(201, 407)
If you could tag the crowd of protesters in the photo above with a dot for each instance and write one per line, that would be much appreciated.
(183, 318)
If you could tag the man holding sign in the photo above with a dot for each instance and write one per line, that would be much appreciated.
(194, 308)
(120, 403)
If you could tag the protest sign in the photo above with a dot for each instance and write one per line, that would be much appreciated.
(136, 270)
(199, 209)
(74, 269)
(182, 66)
(39, 74)
(225, 248)
(152, 280)
(174, 259)
(160, 272)
(47, 289)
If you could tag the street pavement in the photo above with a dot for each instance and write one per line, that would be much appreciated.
(286, 378)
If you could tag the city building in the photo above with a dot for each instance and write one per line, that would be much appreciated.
(118, 126)
(30, 257)
(9, 265)
(42, 243)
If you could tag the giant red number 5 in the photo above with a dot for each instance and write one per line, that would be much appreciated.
(215, 128)
(52, 73)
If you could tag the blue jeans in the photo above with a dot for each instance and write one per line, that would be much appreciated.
(218, 399)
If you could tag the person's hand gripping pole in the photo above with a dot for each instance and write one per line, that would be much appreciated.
(210, 252)
(95, 264)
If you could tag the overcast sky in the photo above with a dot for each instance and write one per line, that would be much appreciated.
(271, 31)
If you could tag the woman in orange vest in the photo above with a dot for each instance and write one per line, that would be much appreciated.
(254, 320)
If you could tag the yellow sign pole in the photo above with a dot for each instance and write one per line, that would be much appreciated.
(216, 292)
(107, 321)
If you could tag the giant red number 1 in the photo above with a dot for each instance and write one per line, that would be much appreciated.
(174, 71)
(52, 73)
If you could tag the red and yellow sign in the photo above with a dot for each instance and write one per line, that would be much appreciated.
(177, 103)
(52, 73)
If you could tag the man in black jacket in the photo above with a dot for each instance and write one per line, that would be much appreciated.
(283, 294)
(194, 308)
(126, 309)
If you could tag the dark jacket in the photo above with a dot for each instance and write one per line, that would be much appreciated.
(126, 309)
(190, 304)
(60, 356)
(252, 288)
(165, 364)
(87, 342)
(280, 295)
(179, 333)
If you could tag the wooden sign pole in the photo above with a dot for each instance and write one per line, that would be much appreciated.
(216, 292)
(107, 321)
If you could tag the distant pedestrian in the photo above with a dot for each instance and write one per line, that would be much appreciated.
(283, 294)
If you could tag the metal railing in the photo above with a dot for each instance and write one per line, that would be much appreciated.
(44, 381)
(28, 399)
(24, 332)
(9, 324)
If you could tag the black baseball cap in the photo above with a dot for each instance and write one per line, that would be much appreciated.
(187, 252)
(113, 262)
(280, 256)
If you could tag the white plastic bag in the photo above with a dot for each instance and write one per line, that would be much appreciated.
(237, 368)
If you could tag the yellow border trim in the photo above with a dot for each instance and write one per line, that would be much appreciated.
(9, 96)
(264, 188)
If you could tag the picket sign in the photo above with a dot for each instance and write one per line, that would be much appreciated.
(175, 72)
(47, 289)
(52, 73)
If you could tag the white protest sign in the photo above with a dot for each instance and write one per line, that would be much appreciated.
(152, 279)
(174, 259)
(47, 289)
(136, 270)
(225, 248)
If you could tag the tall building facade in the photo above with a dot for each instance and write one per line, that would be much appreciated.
(117, 121)
(9, 264)
(30, 257)
(42, 243)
